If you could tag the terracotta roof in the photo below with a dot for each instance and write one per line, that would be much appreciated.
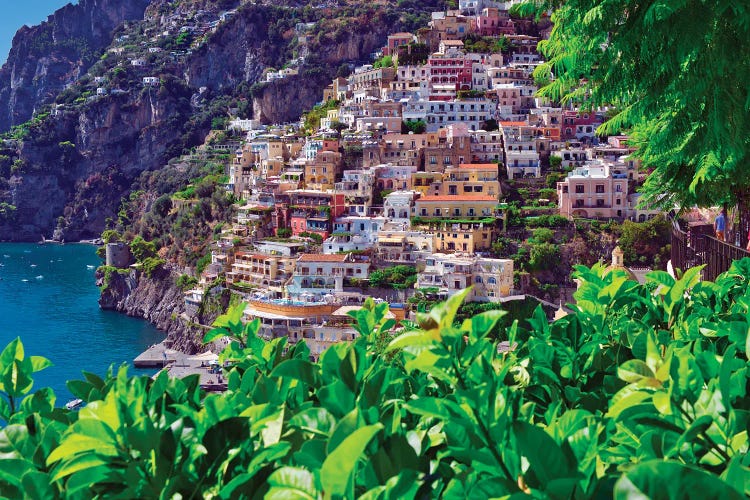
(514, 124)
(457, 197)
(319, 257)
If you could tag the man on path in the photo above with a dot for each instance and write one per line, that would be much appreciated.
(720, 225)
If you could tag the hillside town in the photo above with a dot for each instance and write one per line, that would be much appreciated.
(407, 164)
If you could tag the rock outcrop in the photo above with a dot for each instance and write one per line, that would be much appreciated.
(156, 299)
(44, 59)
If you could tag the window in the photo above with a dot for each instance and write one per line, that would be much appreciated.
(600, 188)
(456, 211)
(599, 203)
(471, 212)
(491, 281)
(618, 201)
(579, 203)
(580, 189)
(565, 189)
(618, 188)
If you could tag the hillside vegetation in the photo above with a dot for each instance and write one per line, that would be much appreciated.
(642, 391)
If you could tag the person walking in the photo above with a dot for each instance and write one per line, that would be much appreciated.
(720, 225)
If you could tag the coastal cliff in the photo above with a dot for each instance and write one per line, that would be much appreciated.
(44, 59)
(156, 299)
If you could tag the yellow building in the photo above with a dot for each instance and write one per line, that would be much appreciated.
(261, 270)
(427, 183)
(466, 238)
(456, 206)
(320, 173)
(471, 180)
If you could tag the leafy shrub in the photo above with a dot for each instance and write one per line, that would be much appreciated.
(185, 281)
(635, 392)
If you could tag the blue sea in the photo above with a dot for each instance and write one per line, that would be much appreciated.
(48, 297)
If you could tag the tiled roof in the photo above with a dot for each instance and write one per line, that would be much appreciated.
(318, 257)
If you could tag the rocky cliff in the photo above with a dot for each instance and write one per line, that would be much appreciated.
(68, 169)
(156, 299)
(44, 59)
(78, 164)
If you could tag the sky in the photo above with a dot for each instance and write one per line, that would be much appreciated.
(16, 13)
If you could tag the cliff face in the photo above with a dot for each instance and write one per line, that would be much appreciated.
(239, 52)
(109, 143)
(46, 58)
(156, 299)
(281, 101)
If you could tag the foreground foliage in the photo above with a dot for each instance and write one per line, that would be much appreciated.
(639, 392)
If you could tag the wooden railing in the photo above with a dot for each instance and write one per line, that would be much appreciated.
(692, 248)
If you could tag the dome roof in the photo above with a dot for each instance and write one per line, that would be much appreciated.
(618, 264)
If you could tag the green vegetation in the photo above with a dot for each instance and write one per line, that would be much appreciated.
(636, 392)
(396, 277)
(312, 117)
(485, 45)
(646, 243)
(186, 282)
(317, 238)
(384, 62)
(416, 126)
(677, 96)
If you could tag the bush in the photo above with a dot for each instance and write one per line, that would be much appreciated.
(634, 392)
(395, 277)
(185, 281)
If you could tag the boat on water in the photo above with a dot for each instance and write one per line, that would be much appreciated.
(74, 403)
(89, 266)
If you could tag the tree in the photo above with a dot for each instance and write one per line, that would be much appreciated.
(338, 127)
(676, 73)
(418, 127)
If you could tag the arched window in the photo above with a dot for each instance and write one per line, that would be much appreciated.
(491, 281)
(478, 279)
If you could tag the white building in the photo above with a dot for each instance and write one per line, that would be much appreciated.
(491, 279)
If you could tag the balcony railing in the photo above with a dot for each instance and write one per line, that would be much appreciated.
(694, 247)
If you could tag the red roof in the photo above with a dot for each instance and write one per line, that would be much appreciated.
(456, 197)
(514, 124)
(319, 257)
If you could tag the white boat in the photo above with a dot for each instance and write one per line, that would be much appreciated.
(89, 266)
(73, 404)
(40, 277)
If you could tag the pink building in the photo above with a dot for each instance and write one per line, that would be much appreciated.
(593, 190)
(493, 22)
(395, 41)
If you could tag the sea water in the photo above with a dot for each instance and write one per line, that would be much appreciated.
(48, 298)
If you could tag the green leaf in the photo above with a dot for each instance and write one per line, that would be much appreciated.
(634, 370)
(546, 459)
(291, 483)
(39, 363)
(340, 464)
(298, 369)
(37, 485)
(659, 480)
